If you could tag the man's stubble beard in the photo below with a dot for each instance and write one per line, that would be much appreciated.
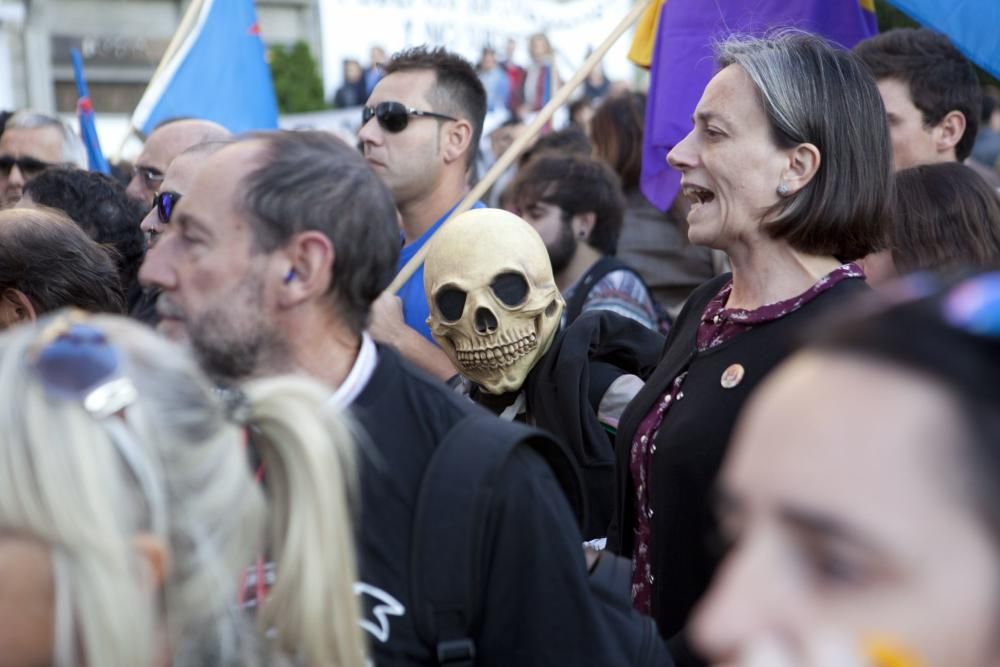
(237, 343)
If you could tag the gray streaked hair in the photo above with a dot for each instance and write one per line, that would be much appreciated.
(73, 151)
(813, 92)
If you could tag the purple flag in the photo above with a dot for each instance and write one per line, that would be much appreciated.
(683, 63)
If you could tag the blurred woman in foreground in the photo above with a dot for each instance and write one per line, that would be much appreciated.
(862, 496)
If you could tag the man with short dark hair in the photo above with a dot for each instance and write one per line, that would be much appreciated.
(168, 140)
(931, 94)
(576, 205)
(932, 103)
(47, 262)
(269, 265)
(422, 125)
(32, 142)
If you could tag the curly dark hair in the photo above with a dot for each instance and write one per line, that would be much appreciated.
(99, 205)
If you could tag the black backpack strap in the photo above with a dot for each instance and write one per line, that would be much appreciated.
(449, 526)
(601, 268)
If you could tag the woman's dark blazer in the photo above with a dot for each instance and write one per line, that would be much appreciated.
(692, 441)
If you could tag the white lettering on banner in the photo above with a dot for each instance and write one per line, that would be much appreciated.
(383, 606)
(351, 27)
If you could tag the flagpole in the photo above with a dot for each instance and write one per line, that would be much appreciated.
(189, 18)
(522, 142)
(183, 28)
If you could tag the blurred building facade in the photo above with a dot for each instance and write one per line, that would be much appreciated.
(121, 41)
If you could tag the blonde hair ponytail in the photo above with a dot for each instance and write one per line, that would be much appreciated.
(307, 450)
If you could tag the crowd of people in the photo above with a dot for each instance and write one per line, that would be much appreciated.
(758, 429)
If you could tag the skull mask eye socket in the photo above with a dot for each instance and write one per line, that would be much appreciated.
(510, 288)
(451, 303)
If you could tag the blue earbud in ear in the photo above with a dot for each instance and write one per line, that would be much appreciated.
(290, 277)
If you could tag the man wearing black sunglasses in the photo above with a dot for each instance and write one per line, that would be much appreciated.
(165, 143)
(420, 130)
(31, 143)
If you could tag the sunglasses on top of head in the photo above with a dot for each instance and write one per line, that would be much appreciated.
(164, 203)
(28, 166)
(395, 116)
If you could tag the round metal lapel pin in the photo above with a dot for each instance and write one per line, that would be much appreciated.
(732, 376)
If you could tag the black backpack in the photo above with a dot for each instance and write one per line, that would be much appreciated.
(448, 537)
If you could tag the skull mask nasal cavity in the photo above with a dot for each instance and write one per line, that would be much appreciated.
(494, 304)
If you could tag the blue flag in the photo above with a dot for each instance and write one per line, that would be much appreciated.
(971, 25)
(682, 62)
(85, 113)
(214, 69)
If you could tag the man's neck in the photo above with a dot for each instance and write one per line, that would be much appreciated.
(420, 214)
(584, 258)
(321, 348)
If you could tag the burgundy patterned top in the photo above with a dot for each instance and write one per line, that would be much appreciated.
(718, 325)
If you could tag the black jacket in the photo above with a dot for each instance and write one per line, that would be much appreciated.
(565, 388)
(691, 444)
(537, 604)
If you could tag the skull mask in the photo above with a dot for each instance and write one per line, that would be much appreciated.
(494, 304)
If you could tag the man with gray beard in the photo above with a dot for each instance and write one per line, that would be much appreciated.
(269, 265)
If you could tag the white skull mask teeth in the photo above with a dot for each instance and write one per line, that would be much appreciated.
(493, 301)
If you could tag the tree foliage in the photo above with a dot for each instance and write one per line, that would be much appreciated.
(297, 82)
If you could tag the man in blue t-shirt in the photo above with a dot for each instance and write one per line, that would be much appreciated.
(420, 130)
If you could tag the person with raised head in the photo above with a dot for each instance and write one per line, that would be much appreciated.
(168, 140)
(102, 209)
(128, 510)
(860, 503)
(47, 262)
(31, 143)
(576, 205)
(765, 167)
(421, 127)
(270, 265)
(945, 218)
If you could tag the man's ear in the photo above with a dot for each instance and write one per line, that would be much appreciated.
(457, 140)
(15, 308)
(308, 269)
(155, 553)
(583, 225)
(803, 163)
(949, 131)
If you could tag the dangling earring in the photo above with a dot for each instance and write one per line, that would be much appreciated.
(782, 189)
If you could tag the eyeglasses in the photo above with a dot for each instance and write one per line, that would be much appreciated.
(395, 116)
(28, 166)
(150, 177)
(164, 203)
